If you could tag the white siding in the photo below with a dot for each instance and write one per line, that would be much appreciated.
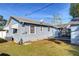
(24, 33)
(3, 34)
(38, 35)
(75, 34)
(55, 32)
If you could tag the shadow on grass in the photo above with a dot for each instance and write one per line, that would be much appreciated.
(58, 41)
(54, 40)
(4, 54)
(74, 52)
(75, 48)
(66, 41)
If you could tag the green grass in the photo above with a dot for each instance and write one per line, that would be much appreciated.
(40, 48)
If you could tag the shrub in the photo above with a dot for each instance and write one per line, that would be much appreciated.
(2, 40)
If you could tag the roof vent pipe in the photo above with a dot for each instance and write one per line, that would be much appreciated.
(42, 21)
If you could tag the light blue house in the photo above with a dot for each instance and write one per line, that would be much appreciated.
(74, 25)
(19, 28)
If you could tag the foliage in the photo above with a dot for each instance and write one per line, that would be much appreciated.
(2, 22)
(74, 10)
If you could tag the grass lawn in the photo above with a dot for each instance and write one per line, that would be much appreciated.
(40, 48)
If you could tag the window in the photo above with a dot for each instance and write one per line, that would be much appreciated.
(41, 28)
(7, 31)
(14, 30)
(32, 29)
(48, 28)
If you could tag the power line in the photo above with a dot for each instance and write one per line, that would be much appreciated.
(40, 9)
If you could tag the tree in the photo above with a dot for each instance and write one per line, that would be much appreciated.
(2, 22)
(1, 17)
(74, 10)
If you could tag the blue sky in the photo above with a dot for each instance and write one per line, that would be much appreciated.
(23, 9)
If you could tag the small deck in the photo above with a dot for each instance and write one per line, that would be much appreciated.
(65, 39)
(62, 38)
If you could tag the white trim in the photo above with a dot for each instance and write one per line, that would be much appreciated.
(29, 29)
(35, 29)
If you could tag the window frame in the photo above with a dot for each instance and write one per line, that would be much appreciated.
(14, 30)
(48, 28)
(32, 29)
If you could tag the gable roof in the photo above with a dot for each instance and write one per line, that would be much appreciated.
(30, 21)
(74, 21)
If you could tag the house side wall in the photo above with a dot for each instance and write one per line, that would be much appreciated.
(55, 32)
(75, 34)
(24, 33)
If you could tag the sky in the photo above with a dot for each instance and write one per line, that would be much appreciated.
(25, 9)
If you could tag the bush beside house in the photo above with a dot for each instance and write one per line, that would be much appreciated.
(2, 40)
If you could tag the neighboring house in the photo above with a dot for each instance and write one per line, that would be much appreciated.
(2, 31)
(28, 30)
(2, 24)
(64, 31)
(74, 25)
(3, 34)
(70, 30)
